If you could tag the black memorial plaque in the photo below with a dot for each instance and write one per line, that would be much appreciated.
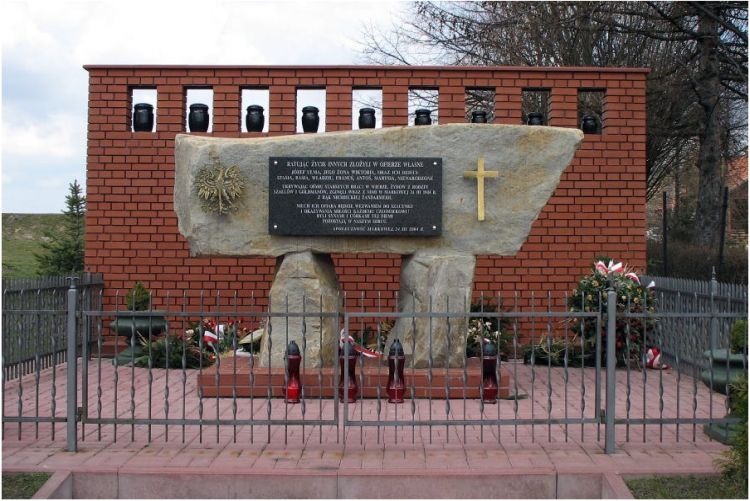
(355, 196)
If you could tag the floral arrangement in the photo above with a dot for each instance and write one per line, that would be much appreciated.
(591, 295)
(487, 330)
(219, 338)
(198, 346)
(173, 351)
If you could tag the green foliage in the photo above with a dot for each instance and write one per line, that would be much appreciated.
(734, 463)
(682, 219)
(23, 485)
(138, 299)
(684, 487)
(591, 296)
(174, 352)
(558, 351)
(375, 339)
(738, 336)
(64, 251)
(21, 236)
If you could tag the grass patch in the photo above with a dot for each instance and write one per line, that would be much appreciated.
(684, 487)
(22, 234)
(22, 485)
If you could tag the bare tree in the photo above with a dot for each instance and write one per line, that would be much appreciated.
(697, 90)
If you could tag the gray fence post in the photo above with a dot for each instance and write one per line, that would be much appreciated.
(72, 390)
(714, 320)
(609, 427)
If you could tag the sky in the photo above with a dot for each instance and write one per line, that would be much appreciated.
(46, 43)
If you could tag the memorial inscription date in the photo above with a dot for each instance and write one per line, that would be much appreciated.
(360, 196)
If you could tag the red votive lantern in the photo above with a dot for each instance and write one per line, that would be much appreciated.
(396, 360)
(348, 356)
(489, 374)
(293, 388)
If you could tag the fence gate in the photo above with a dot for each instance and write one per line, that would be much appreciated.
(553, 391)
(443, 400)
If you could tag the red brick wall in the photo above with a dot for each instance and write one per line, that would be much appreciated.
(131, 228)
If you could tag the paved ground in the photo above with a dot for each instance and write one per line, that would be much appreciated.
(227, 449)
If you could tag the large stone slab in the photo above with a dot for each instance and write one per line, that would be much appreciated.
(434, 282)
(529, 160)
(303, 282)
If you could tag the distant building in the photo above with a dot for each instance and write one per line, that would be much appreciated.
(736, 181)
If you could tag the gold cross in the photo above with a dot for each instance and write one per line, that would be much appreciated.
(480, 174)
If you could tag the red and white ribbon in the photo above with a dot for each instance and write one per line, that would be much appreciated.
(605, 269)
(632, 276)
(357, 347)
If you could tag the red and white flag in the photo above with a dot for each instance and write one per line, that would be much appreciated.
(653, 359)
(210, 338)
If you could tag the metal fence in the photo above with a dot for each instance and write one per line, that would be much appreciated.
(34, 319)
(568, 386)
(688, 338)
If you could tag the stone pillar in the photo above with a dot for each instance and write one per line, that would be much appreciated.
(308, 279)
(447, 278)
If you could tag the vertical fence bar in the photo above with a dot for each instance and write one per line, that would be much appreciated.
(361, 361)
(413, 359)
(481, 361)
(464, 338)
(609, 444)
(498, 375)
(515, 367)
(340, 310)
(84, 323)
(99, 342)
(320, 372)
(664, 233)
(627, 369)
(303, 403)
(19, 389)
(447, 371)
(696, 373)
(72, 394)
(597, 369)
(533, 366)
(549, 368)
(37, 362)
(712, 346)
(566, 328)
(251, 376)
(183, 378)
(269, 394)
(166, 376)
(380, 365)
(233, 332)
(345, 400)
(286, 366)
(598, 364)
(150, 374)
(200, 370)
(429, 372)
(217, 359)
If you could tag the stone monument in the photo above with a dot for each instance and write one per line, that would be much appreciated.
(439, 195)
